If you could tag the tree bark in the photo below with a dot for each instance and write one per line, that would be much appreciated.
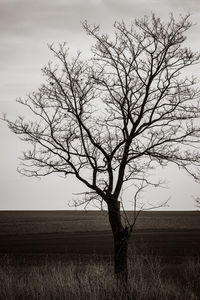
(120, 236)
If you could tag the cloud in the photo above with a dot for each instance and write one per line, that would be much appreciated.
(23, 17)
(25, 28)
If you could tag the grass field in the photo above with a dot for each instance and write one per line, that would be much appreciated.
(76, 279)
(62, 255)
(86, 232)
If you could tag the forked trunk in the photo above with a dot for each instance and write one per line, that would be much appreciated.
(120, 236)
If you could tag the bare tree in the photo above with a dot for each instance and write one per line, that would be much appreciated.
(113, 118)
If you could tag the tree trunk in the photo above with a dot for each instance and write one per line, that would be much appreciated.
(120, 258)
(120, 236)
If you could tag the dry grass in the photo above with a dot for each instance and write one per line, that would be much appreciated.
(93, 279)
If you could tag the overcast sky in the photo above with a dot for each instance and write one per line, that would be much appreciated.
(26, 27)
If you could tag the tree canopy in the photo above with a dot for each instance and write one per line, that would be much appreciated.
(112, 118)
